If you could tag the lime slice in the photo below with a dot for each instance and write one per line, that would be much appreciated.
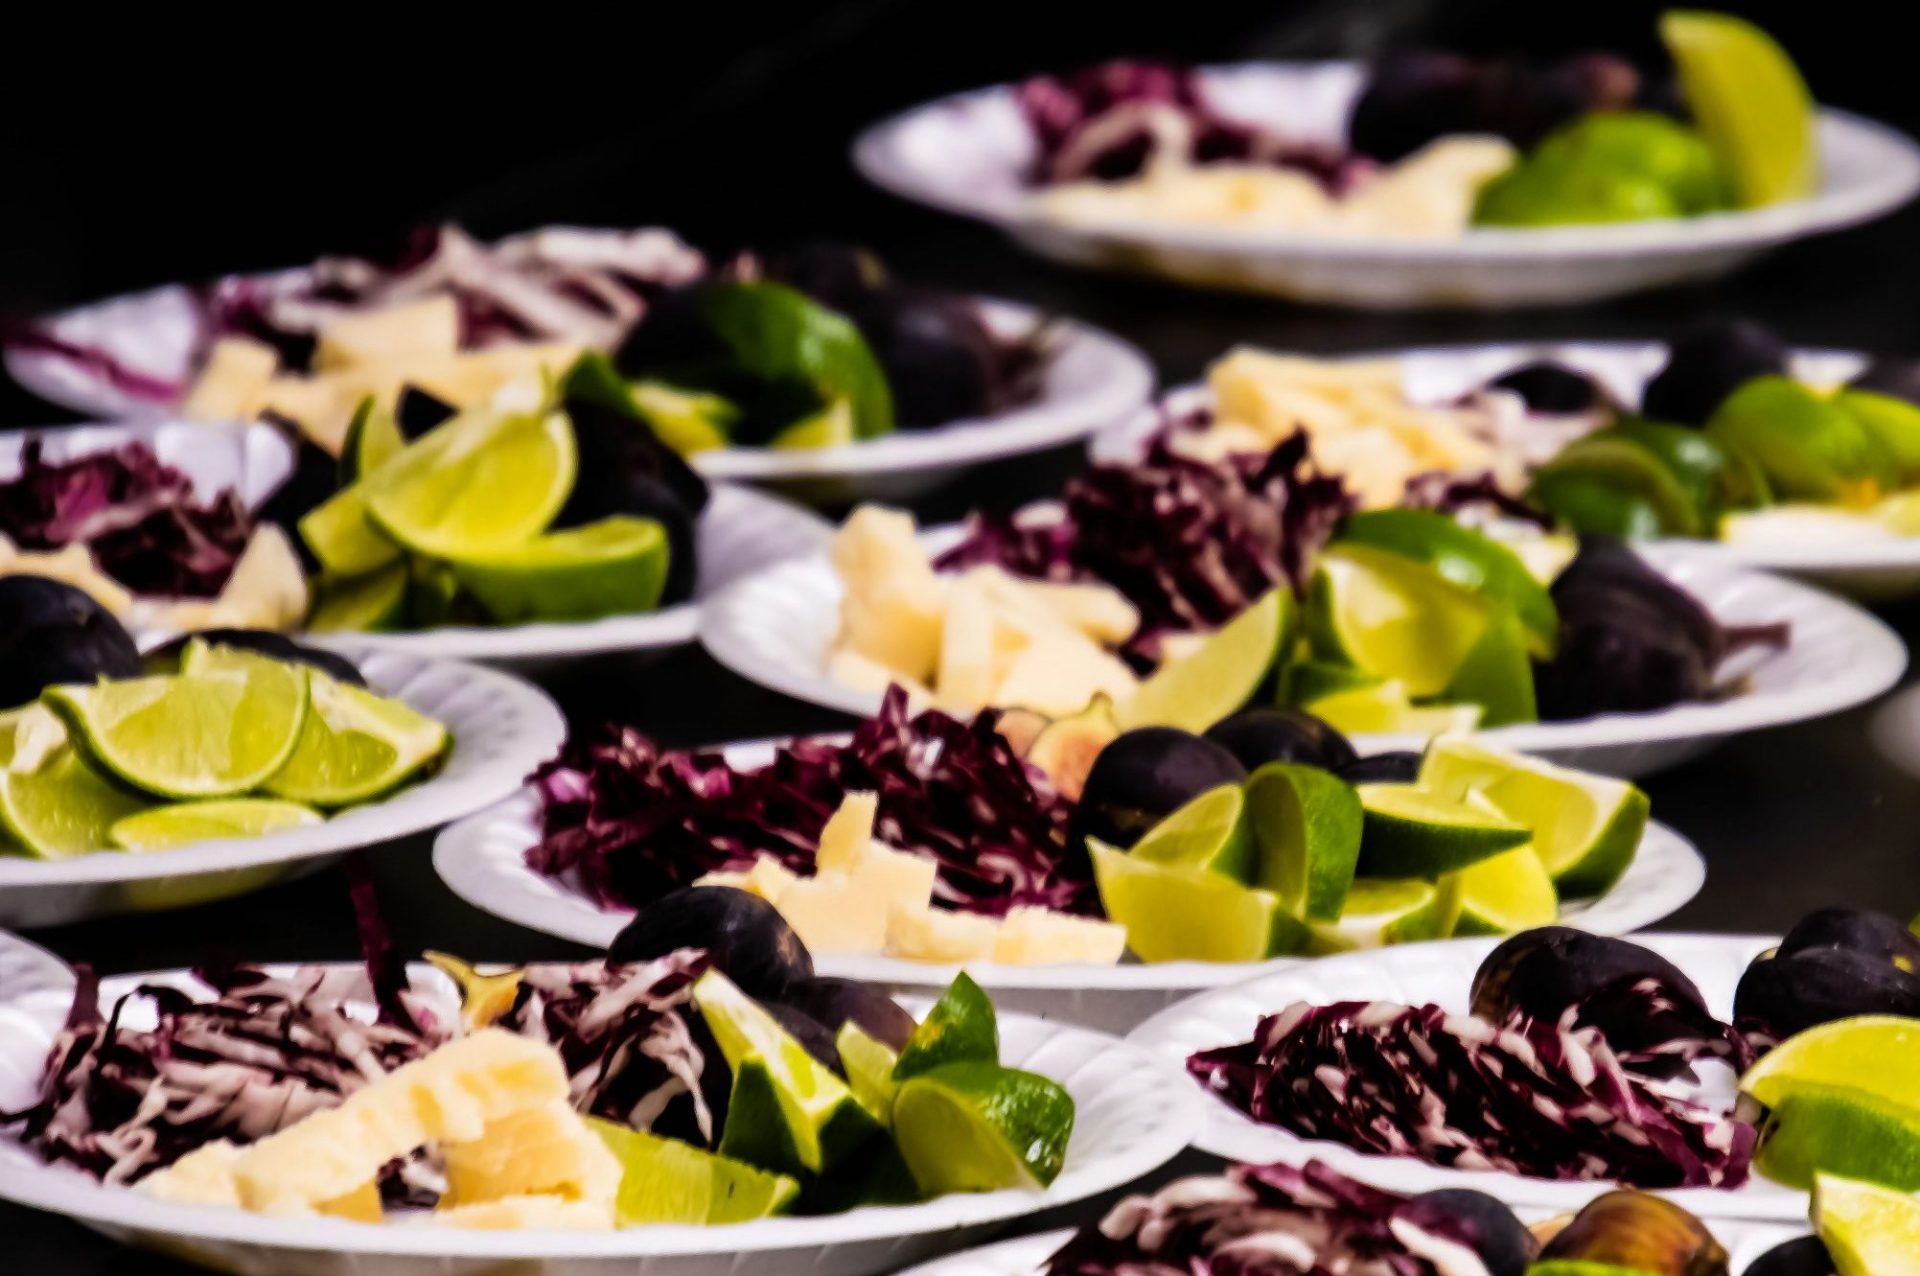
(1497, 674)
(369, 604)
(1414, 832)
(1614, 485)
(831, 426)
(1586, 828)
(1381, 912)
(1750, 102)
(1505, 894)
(1306, 823)
(979, 1127)
(685, 420)
(1873, 1053)
(668, 1181)
(1717, 480)
(1176, 914)
(779, 334)
(1808, 448)
(869, 1066)
(613, 567)
(190, 737)
(1385, 709)
(1869, 1230)
(1840, 1130)
(1391, 616)
(961, 1028)
(1208, 833)
(1894, 422)
(63, 807)
(1306, 681)
(373, 437)
(341, 536)
(788, 1113)
(1218, 676)
(481, 482)
(355, 746)
(163, 828)
(1469, 559)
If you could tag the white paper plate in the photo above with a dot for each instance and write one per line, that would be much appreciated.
(483, 860)
(1896, 730)
(1441, 974)
(1027, 1255)
(1132, 1115)
(502, 728)
(967, 155)
(1861, 567)
(775, 628)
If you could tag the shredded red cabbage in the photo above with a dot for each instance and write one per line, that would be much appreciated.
(1190, 543)
(1523, 1096)
(627, 821)
(138, 516)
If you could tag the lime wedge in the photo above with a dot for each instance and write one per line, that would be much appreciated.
(1210, 832)
(1840, 1130)
(373, 437)
(375, 602)
(1586, 828)
(1392, 617)
(1497, 673)
(1894, 422)
(979, 1127)
(483, 481)
(1597, 484)
(668, 1181)
(1218, 676)
(1873, 1053)
(342, 537)
(1414, 832)
(613, 567)
(961, 1028)
(1385, 709)
(779, 334)
(1505, 894)
(164, 828)
(1471, 560)
(190, 737)
(869, 1066)
(788, 1113)
(1176, 914)
(63, 807)
(1750, 102)
(1307, 681)
(1808, 448)
(831, 426)
(1869, 1230)
(356, 746)
(1306, 823)
(1391, 912)
(685, 420)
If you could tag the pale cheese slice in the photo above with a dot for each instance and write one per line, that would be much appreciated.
(847, 832)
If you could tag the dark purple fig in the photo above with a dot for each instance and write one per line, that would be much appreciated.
(1780, 996)
(1142, 777)
(1805, 1257)
(814, 1037)
(1554, 388)
(1706, 364)
(1856, 930)
(1259, 736)
(1410, 99)
(314, 479)
(417, 411)
(1398, 767)
(1895, 378)
(53, 634)
(744, 936)
(836, 1002)
(166, 657)
(943, 361)
(1640, 1232)
(1546, 972)
(1428, 1224)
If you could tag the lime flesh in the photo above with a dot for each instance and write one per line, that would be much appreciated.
(1868, 1229)
(1306, 825)
(1174, 914)
(979, 1127)
(63, 808)
(1384, 708)
(355, 746)
(481, 482)
(1392, 617)
(371, 603)
(163, 828)
(1210, 832)
(1413, 832)
(1750, 102)
(1840, 1130)
(869, 1066)
(1474, 562)
(613, 567)
(686, 420)
(1220, 675)
(831, 426)
(1497, 674)
(1873, 1053)
(1505, 894)
(1379, 913)
(668, 1181)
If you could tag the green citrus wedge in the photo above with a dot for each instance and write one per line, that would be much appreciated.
(869, 1066)
(1869, 1230)
(1384, 709)
(1471, 560)
(164, 828)
(1874, 1053)
(1749, 100)
(1220, 675)
(1506, 894)
(961, 1028)
(1183, 914)
(980, 1127)
(687, 421)
(1412, 831)
(63, 807)
(668, 1181)
(1381, 912)
(1832, 1129)
(613, 567)
(831, 426)
(371, 603)
(1306, 824)
(1391, 616)
(482, 482)
(1210, 832)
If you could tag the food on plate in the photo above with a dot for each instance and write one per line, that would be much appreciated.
(1068, 841)
(211, 740)
(1583, 1057)
(1312, 1218)
(582, 1096)
(1866, 1229)
(1435, 145)
(1182, 590)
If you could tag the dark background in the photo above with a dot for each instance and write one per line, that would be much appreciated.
(139, 152)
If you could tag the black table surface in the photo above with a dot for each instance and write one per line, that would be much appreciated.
(1788, 818)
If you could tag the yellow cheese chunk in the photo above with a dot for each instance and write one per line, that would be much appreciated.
(933, 934)
(1059, 674)
(898, 879)
(1042, 937)
(428, 327)
(835, 913)
(543, 1151)
(847, 832)
(233, 381)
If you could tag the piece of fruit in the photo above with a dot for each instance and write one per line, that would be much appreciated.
(1840, 1130)
(1390, 616)
(1176, 914)
(1400, 766)
(1496, 674)
(743, 935)
(667, 1181)
(1542, 972)
(1613, 484)
(1210, 833)
(1642, 144)
(162, 828)
(1750, 101)
(1537, 194)
(1806, 1256)
(1067, 748)
(52, 633)
(1384, 709)
(1709, 361)
(62, 807)
(170, 656)
(483, 482)
(776, 334)
(831, 426)
(616, 566)
(375, 602)
(869, 1066)
(190, 737)
(1869, 1230)
(1220, 675)
(373, 438)
(1381, 912)
(1894, 422)
(979, 1127)
(1142, 777)
(1475, 562)
(1506, 894)
(688, 421)
(787, 1112)
(1586, 828)
(1306, 825)
(1306, 681)
(961, 1028)
(1411, 831)
(838, 1002)
(1631, 1231)
(1872, 1053)
(1259, 736)
(1808, 447)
